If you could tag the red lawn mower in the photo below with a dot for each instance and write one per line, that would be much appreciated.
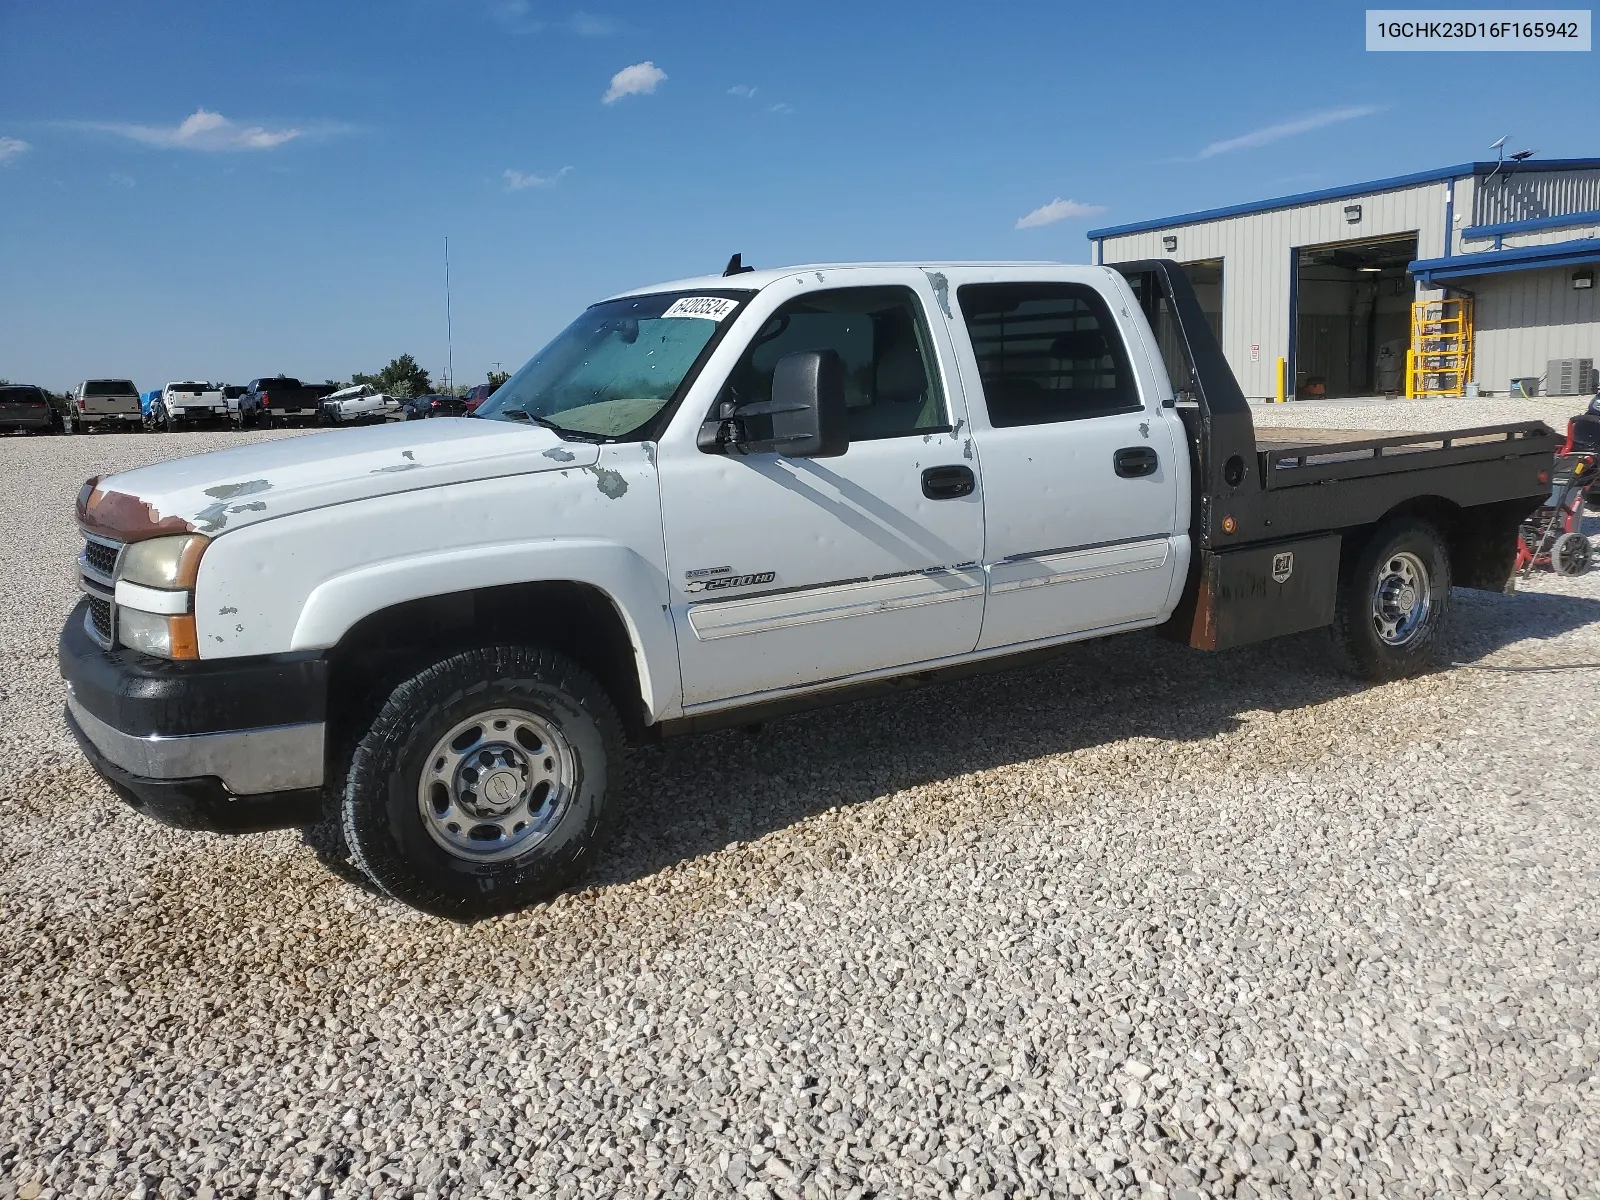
(1552, 535)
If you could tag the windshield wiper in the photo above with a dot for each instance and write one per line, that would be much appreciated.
(559, 430)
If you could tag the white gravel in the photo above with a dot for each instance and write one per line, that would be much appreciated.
(1141, 922)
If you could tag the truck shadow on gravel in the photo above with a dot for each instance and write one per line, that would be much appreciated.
(693, 796)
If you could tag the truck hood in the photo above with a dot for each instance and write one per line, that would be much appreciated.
(212, 493)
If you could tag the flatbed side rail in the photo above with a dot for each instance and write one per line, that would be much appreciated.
(1295, 466)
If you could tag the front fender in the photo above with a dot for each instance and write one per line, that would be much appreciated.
(634, 586)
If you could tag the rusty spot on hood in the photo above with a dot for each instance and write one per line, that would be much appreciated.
(125, 518)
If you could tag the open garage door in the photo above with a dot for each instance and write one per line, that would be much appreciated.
(1353, 317)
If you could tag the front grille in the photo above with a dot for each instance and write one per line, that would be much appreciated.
(100, 618)
(99, 563)
(101, 556)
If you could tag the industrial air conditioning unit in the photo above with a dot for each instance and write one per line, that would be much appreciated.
(1570, 377)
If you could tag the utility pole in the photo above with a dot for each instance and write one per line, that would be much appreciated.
(449, 331)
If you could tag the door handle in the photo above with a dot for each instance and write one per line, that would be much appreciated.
(948, 483)
(1134, 462)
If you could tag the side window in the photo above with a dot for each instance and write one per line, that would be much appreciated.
(1047, 352)
(891, 382)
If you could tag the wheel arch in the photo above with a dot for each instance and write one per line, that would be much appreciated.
(1480, 540)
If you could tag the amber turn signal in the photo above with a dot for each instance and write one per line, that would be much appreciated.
(1229, 524)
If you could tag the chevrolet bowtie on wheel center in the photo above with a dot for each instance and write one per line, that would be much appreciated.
(717, 501)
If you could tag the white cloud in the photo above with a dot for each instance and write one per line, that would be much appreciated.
(202, 130)
(638, 80)
(517, 16)
(1058, 210)
(740, 89)
(1283, 129)
(517, 181)
(588, 25)
(781, 108)
(12, 148)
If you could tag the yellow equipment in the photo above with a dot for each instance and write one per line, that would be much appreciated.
(1440, 360)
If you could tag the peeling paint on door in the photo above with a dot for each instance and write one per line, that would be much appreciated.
(611, 484)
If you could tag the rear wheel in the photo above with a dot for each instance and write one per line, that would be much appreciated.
(485, 782)
(1393, 601)
(1570, 554)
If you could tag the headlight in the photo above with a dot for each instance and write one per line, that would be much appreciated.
(155, 596)
(164, 562)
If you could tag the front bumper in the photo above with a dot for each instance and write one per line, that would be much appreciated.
(234, 745)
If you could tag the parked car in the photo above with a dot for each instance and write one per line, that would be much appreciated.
(434, 404)
(230, 396)
(714, 502)
(277, 399)
(26, 408)
(107, 404)
(189, 403)
(361, 404)
(476, 396)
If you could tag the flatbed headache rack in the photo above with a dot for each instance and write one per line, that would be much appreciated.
(1250, 488)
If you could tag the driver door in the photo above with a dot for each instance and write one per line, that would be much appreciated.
(790, 573)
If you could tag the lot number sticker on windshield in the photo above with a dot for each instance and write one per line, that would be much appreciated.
(712, 308)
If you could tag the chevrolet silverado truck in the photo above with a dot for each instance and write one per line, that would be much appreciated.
(716, 501)
(186, 404)
(277, 400)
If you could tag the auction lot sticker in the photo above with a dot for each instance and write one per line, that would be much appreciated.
(1477, 29)
(711, 308)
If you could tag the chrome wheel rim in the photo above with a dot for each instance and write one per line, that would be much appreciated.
(496, 785)
(1401, 599)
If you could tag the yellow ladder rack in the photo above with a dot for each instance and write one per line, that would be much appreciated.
(1440, 359)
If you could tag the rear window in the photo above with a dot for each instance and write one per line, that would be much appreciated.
(233, 392)
(281, 381)
(109, 387)
(192, 389)
(20, 395)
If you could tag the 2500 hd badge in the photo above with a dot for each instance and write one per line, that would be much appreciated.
(719, 583)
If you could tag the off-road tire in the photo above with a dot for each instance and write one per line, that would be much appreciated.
(379, 807)
(1358, 649)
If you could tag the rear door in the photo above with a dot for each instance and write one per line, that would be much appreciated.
(23, 406)
(1086, 505)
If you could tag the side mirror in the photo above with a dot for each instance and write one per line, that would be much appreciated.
(806, 414)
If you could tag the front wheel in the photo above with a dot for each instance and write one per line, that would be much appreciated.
(1393, 601)
(485, 782)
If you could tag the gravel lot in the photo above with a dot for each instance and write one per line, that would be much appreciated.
(1142, 922)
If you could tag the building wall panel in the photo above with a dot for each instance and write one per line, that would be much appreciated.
(1525, 318)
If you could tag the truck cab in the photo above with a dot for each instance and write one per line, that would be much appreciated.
(713, 501)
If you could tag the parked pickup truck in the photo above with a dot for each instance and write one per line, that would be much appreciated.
(361, 404)
(279, 399)
(100, 404)
(187, 404)
(711, 502)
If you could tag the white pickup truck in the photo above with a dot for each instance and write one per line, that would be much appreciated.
(719, 500)
(188, 403)
(360, 404)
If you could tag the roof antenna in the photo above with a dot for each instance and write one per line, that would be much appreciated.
(736, 266)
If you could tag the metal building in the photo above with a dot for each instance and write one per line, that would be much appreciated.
(1444, 282)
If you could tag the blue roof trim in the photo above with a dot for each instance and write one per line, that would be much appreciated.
(1591, 217)
(1495, 262)
(1340, 193)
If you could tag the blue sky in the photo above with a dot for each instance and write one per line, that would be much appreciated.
(232, 190)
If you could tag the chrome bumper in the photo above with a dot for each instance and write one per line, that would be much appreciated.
(277, 758)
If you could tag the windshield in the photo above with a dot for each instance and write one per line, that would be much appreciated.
(614, 368)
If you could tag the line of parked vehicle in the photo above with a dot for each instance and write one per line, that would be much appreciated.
(115, 404)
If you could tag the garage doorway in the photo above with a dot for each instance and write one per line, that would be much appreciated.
(1353, 317)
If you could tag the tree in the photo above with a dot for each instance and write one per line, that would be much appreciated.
(402, 377)
(496, 378)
